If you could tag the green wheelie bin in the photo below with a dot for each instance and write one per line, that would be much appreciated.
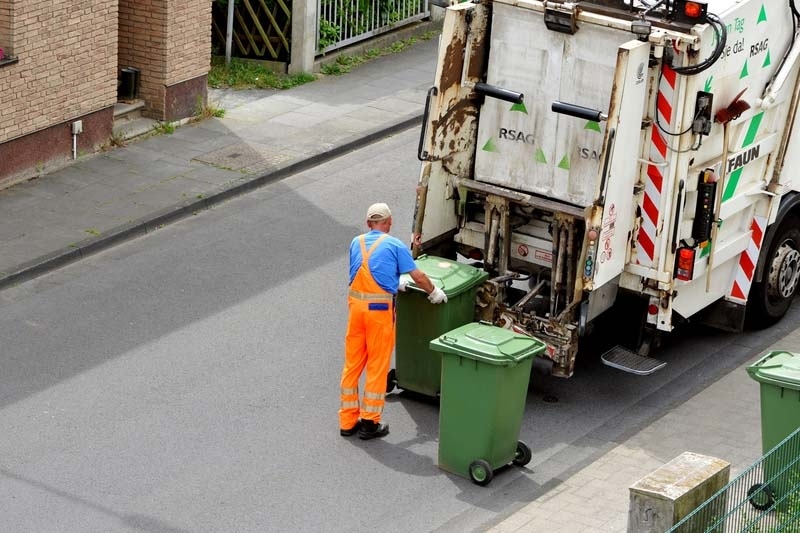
(417, 368)
(778, 372)
(485, 374)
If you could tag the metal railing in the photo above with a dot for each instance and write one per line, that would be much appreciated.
(344, 22)
(765, 498)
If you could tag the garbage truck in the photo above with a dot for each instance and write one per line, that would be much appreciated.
(595, 154)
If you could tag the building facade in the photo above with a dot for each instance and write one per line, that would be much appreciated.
(61, 64)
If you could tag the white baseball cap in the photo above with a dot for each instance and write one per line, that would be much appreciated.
(378, 212)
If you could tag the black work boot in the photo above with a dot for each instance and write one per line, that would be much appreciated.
(350, 432)
(372, 430)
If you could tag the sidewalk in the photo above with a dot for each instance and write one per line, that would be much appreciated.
(596, 498)
(104, 199)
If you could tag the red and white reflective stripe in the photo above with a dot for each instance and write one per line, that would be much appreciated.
(743, 277)
(651, 201)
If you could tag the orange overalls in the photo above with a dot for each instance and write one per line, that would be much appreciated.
(368, 343)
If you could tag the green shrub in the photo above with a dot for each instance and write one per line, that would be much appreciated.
(249, 75)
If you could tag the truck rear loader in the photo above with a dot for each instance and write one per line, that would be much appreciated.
(593, 153)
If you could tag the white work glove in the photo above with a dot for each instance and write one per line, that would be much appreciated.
(437, 296)
(403, 285)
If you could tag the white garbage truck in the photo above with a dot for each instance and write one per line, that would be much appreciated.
(593, 153)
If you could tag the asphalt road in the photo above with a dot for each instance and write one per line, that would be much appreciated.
(188, 381)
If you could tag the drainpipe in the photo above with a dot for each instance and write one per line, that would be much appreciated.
(77, 128)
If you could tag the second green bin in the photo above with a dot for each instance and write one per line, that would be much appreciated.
(417, 368)
(778, 372)
(485, 374)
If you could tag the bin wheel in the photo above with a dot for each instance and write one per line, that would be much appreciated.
(523, 455)
(391, 380)
(480, 472)
(761, 496)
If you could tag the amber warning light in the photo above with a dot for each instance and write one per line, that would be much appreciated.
(692, 12)
(685, 266)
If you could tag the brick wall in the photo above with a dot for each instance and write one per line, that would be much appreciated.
(169, 41)
(67, 65)
(69, 53)
(189, 40)
(142, 26)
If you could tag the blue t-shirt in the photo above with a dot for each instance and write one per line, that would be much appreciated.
(390, 259)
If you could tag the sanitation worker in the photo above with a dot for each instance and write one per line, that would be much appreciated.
(376, 261)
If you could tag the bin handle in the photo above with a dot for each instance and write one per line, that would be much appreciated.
(417, 288)
(511, 356)
(763, 363)
(514, 358)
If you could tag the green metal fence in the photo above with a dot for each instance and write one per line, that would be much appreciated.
(344, 22)
(765, 498)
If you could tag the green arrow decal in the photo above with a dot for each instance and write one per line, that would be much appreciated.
(707, 87)
(519, 107)
(564, 164)
(762, 15)
(540, 157)
(733, 180)
(592, 125)
(750, 136)
(766, 61)
(490, 146)
(744, 73)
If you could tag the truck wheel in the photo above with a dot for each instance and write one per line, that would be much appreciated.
(770, 299)
(480, 472)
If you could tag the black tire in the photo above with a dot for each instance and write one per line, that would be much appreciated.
(761, 496)
(480, 472)
(391, 380)
(771, 297)
(523, 455)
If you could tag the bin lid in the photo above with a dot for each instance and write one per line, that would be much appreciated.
(777, 368)
(487, 343)
(450, 276)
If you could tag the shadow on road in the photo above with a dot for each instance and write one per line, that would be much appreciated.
(136, 521)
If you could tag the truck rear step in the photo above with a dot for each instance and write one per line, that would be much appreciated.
(628, 361)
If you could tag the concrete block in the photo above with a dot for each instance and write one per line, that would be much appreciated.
(304, 36)
(659, 500)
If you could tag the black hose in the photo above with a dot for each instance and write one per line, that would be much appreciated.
(722, 35)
